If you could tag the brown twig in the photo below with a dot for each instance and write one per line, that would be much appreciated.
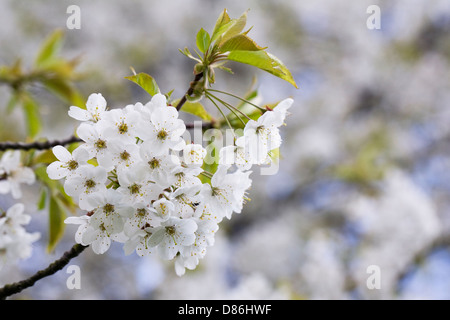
(37, 145)
(54, 267)
(190, 91)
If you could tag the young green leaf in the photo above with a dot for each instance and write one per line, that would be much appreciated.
(12, 103)
(56, 223)
(42, 199)
(65, 91)
(203, 40)
(195, 108)
(258, 59)
(33, 119)
(45, 157)
(211, 161)
(236, 28)
(283, 72)
(223, 28)
(240, 42)
(188, 54)
(226, 69)
(146, 82)
(264, 61)
(221, 21)
(50, 48)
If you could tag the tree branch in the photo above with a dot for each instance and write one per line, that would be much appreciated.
(190, 91)
(55, 266)
(205, 125)
(37, 145)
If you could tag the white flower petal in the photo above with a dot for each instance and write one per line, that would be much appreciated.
(56, 170)
(62, 154)
(79, 114)
(96, 103)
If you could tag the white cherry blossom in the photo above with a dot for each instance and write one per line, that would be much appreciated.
(96, 143)
(226, 193)
(95, 108)
(121, 124)
(172, 235)
(89, 180)
(136, 185)
(165, 130)
(190, 256)
(193, 154)
(15, 241)
(13, 174)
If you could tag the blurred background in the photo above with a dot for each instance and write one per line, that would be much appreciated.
(364, 178)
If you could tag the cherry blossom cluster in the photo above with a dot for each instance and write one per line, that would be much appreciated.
(13, 174)
(15, 241)
(138, 179)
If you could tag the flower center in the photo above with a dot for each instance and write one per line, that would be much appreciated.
(89, 184)
(154, 163)
(100, 144)
(135, 188)
(162, 135)
(260, 130)
(72, 165)
(108, 208)
(170, 230)
(123, 128)
(141, 212)
(124, 155)
(180, 176)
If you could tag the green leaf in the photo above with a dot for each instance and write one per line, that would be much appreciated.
(195, 108)
(56, 223)
(50, 48)
(282, 71)
(226, 69)
(169, 94)
(203, 40)
(240, 42)
(45, 157)
(146, 82)
(58, 67)
(236, 28)
(55, 188)
(258, 59)
(188, 54)
(211, 161)
(41, 174)
(264, 61)
(224, 28)
(12, 103)
(33, 120)
(221, 21)
(65, 91)
(42, 199)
